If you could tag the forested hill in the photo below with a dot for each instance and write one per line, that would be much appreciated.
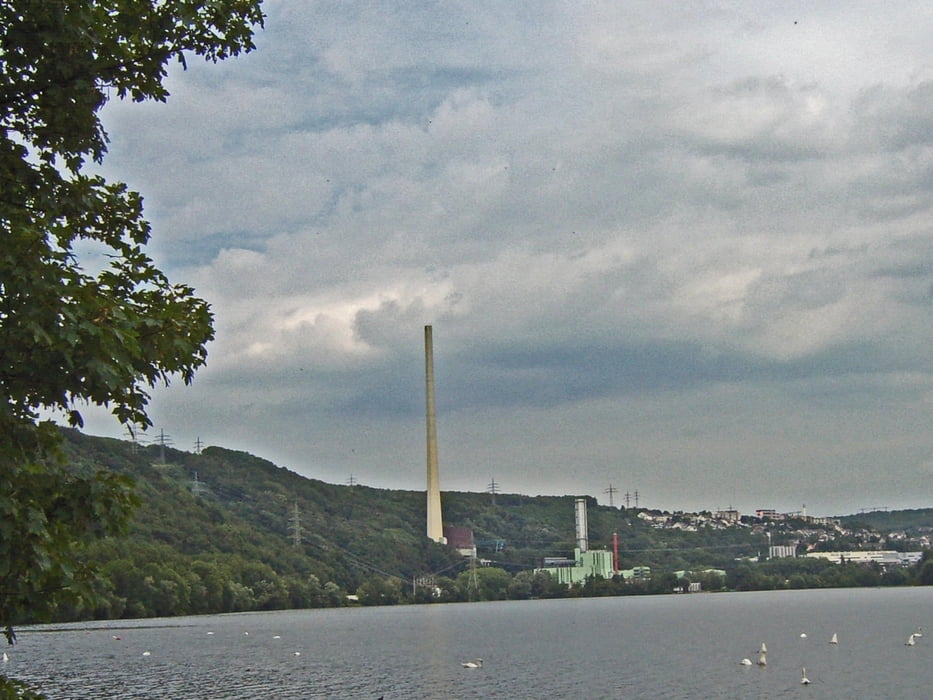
(911, 521)
(226, 531)
(229, 517)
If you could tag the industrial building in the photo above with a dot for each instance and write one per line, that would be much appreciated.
(584, 563)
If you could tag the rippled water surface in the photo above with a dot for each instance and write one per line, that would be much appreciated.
(685, 646)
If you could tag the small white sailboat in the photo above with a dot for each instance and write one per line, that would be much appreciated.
(472, 664)
(803, 676)
(834, 639)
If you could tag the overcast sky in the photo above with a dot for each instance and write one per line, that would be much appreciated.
(678, 249)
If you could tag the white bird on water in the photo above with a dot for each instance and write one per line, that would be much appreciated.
(472, 664)
(910, 641)
(5, 657)
(834, 639)
(919, 632)
(746, 661)
(803, 676)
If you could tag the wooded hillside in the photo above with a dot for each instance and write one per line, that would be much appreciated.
(216, 532)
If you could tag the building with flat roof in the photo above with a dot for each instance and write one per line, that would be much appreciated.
(884, 558)
(584, 564)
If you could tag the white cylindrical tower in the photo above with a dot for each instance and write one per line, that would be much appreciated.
(580, 519)
(435, 523)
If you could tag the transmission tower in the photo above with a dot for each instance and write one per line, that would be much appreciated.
(611, 491)
(196, 485)
(198, 446)
(628, 500)
(351, 481)
(636, 498)
(163, 440)
(493, 489)
(134, 438)
(294, 525)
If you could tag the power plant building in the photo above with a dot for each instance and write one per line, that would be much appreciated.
(585, 563)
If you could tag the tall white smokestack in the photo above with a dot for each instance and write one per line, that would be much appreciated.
(580, 519)
(435, 523)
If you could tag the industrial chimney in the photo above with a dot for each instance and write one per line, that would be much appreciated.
(580, 519)
(435, 523)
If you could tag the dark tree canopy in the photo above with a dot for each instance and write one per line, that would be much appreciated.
(69, 336)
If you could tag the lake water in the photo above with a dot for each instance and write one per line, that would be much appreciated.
(674, 646)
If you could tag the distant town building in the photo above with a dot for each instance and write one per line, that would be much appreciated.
(730, 516)
(779, 551)
(885, 558)
(639, 573)
(770, 513)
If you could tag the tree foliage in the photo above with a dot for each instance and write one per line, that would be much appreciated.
(69, 335)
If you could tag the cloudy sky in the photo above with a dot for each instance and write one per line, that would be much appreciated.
(678, 249)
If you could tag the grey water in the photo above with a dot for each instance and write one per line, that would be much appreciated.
(673, 646)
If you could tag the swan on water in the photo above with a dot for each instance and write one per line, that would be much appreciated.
(919, 632)
(803, 635)
(834, 639)
(803, 676)
(763, 649)
(762, 659)
(472, 664)
(5, 657)
(910, 641)
(147, 653)
(746, 661)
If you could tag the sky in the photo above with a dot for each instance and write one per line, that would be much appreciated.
(678, 254)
